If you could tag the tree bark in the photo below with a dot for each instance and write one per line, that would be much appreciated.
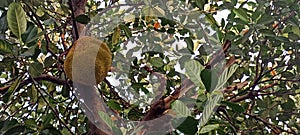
(77, 8)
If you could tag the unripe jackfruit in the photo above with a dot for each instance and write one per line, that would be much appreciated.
(88, 61)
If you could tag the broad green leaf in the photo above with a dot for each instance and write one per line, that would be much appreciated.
(181, 109)
(117, 131)
(226, 74)
(188, 126)
(49, 61)
(33, 94)
(5, 3)
(148, 11)
(208, 128)
(5, 125)
(267, 32)
(114, 105)
(9, 94)
(84, 19)
(190, 44)
(5, 47)
(16, 19)
(16, 130)
(157, 61)
(30, 123)
(35, 69)
(209, 108)
(106, 119)
(116, 36)
(200, 4)
(29, 52)
(65, 132)
(65, 92)
(211, 19)
(209, 77)
(265, 19)
(37, 36)
(30, 34)
(193, 70)
(47, 118)
(126, 30)
(289, 105)
(159, 11)
(241, 13)
(296, 30)
(3, 23)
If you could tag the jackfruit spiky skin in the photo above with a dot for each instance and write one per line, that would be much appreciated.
(88, 61)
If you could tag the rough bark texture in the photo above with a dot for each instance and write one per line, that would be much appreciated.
(77, 8)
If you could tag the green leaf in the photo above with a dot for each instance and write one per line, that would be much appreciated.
(33, 94)
(190, 44)
(148, 11)
(30, 123)
(7, 124)
(117, 131)
(35, 69)
(8, 95)
(200, 4)
(5, 47)
(3, 23)
(15, 130)
(265, 19)
(84, 19)
(234, 106)
(65, 92)
(126, 30)
(241, 13)
(208, 128)
(49, 61)
(47, 118)
(267, 32)
(5, 3)
(209, 108)
(188, 126)
(193, 70)
(226, 74)
(157, 61)
(29, 52)
(106, 119)
(296, 30)
(16, 19)
(211, 19)
(116, 36)
(209, 77)
(289, 105)
(158, 11)
(181, 109)
(30, 33)
(114, 105)
(37, 36)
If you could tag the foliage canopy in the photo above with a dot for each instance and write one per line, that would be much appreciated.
(232, 73)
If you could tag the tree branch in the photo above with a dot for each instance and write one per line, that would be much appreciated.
(42, 77)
